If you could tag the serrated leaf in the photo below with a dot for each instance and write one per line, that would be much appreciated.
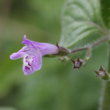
(80, 19)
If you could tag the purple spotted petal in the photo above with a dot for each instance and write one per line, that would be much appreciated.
(32, 63)
(32, 54)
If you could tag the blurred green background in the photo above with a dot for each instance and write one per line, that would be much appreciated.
(56, 86)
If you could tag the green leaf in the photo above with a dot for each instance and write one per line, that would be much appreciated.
(105, 10)
(80, 19)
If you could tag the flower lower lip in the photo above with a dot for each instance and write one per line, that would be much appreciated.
(26, 67)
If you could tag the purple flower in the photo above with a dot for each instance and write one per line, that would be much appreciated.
(32, 54)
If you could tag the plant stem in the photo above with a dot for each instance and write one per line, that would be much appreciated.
(64, 51)
(98, 42)
(105, 102)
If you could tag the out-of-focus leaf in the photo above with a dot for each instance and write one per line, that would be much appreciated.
(7, 108)
(105, 10)
(80, 18)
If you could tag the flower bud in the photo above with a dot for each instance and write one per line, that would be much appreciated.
(78, 63)
(102, 73)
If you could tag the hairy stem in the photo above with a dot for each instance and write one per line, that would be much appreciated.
(64, 51)
(105, 102)
(98, 42)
